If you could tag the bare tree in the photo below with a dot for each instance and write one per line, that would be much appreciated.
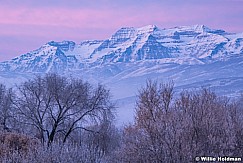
(6, 112)
(32, 105)
(168, 129)
(55, 106)
(151, 138)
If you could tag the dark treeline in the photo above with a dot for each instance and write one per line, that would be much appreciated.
(60, 119)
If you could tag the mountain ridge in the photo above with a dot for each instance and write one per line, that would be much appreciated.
(130, 44)
(192, 56)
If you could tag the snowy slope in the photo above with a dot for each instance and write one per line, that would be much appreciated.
(193, 56)
(191, 45)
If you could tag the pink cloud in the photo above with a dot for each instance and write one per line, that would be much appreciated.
(47, 16)
(111, 18)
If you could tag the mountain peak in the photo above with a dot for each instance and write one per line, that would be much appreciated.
(131, 30)
(130, 44)
(200, 27)
(64, 45)
(195, 28)
(148, 28)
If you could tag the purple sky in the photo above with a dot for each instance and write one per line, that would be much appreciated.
(25, 25)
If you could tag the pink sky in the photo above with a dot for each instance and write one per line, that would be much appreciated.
(26, 25)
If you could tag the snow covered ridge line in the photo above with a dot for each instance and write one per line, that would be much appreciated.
(191, 56)
(185, 45)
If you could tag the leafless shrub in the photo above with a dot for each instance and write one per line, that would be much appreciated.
(14, 143)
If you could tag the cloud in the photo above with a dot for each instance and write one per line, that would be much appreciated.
(47, 16)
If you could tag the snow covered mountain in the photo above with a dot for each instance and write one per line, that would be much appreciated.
(192, 56)
(191, 45)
